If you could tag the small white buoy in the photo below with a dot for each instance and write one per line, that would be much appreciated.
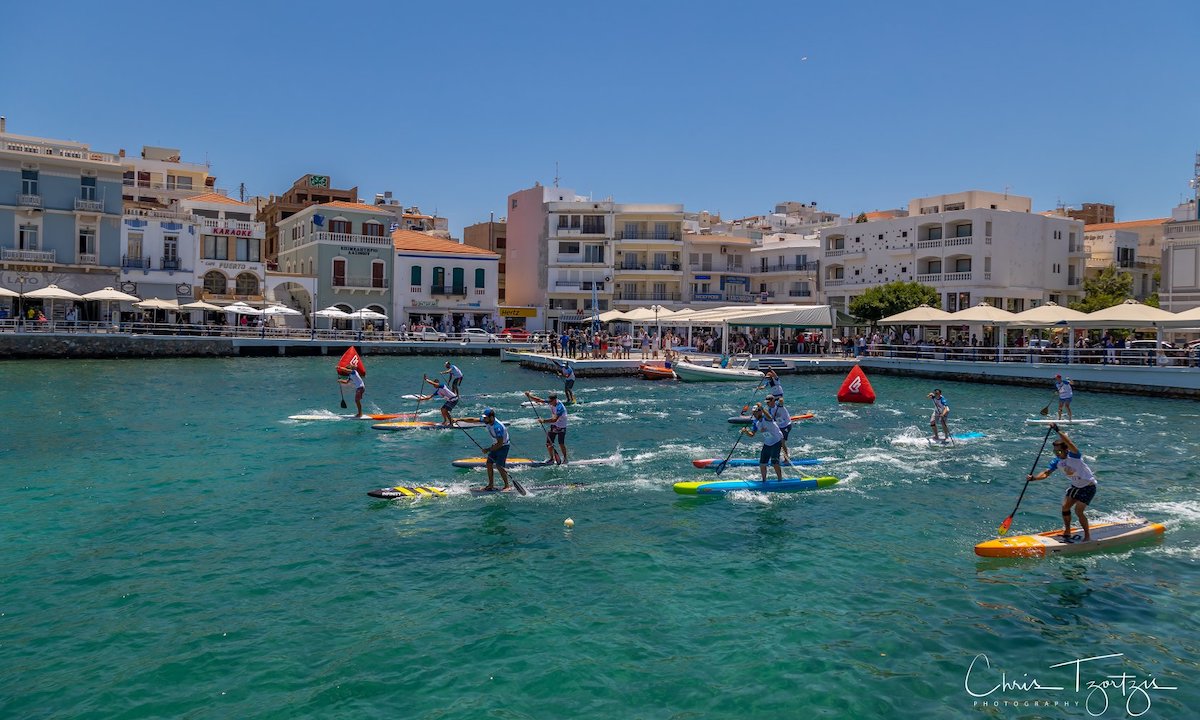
(569, 523)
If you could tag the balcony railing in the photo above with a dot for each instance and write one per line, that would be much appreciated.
(169, 189)
(166, 263)
(956, 277)
(347, 238)
(652, 267)
(661, 296)
(142, 263)
(159, 214)
(28, 255)
(929, 277)
(956, 241)
(29, 200)
(243, 225)
(835, 282)
(34, 147)
(647, 235)
(701, 267)
(448, 290)
(922, 244)
(88, 259)
(835, 252)
(89, 205)
(791, 267)
(799, 293)
(360, 281)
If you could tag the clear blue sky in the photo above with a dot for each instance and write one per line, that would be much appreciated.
(452, 106)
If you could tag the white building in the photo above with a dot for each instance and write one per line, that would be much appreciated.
(160, 252)
(229, 265)
(786, 268)
(1109, 244)
(972, 246)
(719, 270)
(443, 283)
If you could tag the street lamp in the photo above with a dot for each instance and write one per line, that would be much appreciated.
(21, 280)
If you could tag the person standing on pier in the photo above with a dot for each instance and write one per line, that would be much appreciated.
(941, 409)
(1065, 392)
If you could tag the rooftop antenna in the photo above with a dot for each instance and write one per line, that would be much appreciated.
(1006, 187)
(1196, 177)
(557, 178)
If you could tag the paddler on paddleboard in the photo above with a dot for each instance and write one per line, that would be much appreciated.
(456, 376)
(360, 388)
(772, 440)
(446, 394)
(497, 453)
(558, 425)
(771, 383)
(568, 375)
(1065, 391)
(783, 419)
(941, 409)
(1083, 482)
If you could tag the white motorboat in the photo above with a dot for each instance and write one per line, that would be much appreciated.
(738, 369)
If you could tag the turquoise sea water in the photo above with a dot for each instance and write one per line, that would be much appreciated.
(172, 546)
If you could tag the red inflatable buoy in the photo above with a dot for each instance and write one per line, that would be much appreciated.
(856, 388)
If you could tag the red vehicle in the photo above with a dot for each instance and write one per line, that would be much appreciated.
(515, 333)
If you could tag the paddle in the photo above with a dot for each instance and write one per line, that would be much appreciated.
(746, 406)
(725, 463)
(516, 484)
(342, 392)
(1004, 526)
(549, 443)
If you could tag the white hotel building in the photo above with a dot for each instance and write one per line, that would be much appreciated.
(972, 246)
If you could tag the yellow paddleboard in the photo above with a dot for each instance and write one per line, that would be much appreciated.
(1104, 535)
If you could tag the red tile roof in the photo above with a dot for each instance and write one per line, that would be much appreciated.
(1126, 225)
(354, 206)
(420, 242)
(216, 198)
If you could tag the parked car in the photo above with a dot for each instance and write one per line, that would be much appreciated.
(1145, 352)
(424, 332)
(478, 335)
(515, 333)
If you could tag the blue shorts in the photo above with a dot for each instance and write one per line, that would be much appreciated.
(1082, 494)
(1064, 401)
(570, 384)
(770, 454)
(449, 404)
(554, 433)
(498, 457)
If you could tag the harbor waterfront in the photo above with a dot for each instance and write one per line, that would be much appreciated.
(174, 546)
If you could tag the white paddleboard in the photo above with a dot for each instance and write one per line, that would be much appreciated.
(1076, 421)
(319, 417)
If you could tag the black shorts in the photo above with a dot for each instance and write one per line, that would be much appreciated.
(770, 454)
(786, 431)
(559, 434)
(569, 384)
(1082, 494)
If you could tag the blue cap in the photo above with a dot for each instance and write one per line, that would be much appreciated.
(487, 413)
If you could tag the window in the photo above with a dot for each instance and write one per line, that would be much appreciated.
(247, 284)
(27, 239)
(340, 226)
(249, 249)
(170, 259)
(575, 222)
(904, 234)
(414, 276)
(568, 248)
(128, 178)
(377, 279)
(179, 182)
(439, 277)
(501, 243)
(593, 253)
(143, 179)
(216, 247)
(372, 229)
(479, 276)
(215, 283)
(660, 231)
(562, 221)
(87, 188)
(935, 233)
(955, 206)
(631, 231)
(460, 283)
(987, 264)
(339, 271)
(29, 182)
(514, 203)
(987, 228)
(935, 267)
(87, 241)
(962, 230)
(962, 265)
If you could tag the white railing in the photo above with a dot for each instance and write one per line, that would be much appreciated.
(929, 277)
(568, 258)
(174, 190)
(835, 252)
(89, 205)
(987, 276)
(835, 282)
(952, 242)
(27, 200)
(324, 236)
(28, 255)
(929, 243)
(89, 259)
(159, 214)
(231, 224)
(32, 147)
(956, 277)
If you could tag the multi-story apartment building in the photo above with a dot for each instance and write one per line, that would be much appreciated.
(158, 178)
(785, 268)
(160, 248)
(305, 192)
(719, 270)
(1121, 244)
(60, 215)
(648, 256)
(972, 246)
(230, 264)
(443, 283)
(347, 248)
(493, 237)
(1093, 213)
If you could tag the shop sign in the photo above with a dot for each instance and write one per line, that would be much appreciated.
(230, 231)
(424, 303)
(525, 312)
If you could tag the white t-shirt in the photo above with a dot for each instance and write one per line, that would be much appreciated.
(560, 411)
(1075, 469)
(781, 416)
(1064, 389)
(766, 430)
(356, 380)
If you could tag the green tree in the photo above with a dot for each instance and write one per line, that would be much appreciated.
(895, 297)
(1112, 287)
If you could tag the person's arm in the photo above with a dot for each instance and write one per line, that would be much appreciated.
(535, 398)
(1071, 446)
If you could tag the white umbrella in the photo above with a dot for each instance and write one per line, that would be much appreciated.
(110, 294)
(242, 309)
(367, 314)
(280, 310)
(158, 304)
(920, 315)
(982, 313)
(52, 292)
(201, 305)
(5, 292)
(333, 313)
(1046, 315)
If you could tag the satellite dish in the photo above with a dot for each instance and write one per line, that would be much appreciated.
(607, 278)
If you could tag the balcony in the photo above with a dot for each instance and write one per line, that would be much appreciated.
(166, 263)
(159, 214)
(28, 255)
(700, 267)
(790, 267)
(88, 259)
(956, 277)
(799, 293)
(924, 244)
(362, 281)
(176, 191)
(448, 290)
(956, 241)
(89, 205)
(648, 235)
(929, 278)
(835, 252)
(29, 200)
(75, 152)
(138, 263)
(650, 268)
(241, 226)
(576, 259)
(1077, 248)
(590, 231)
(639, 296)
(344, 239)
